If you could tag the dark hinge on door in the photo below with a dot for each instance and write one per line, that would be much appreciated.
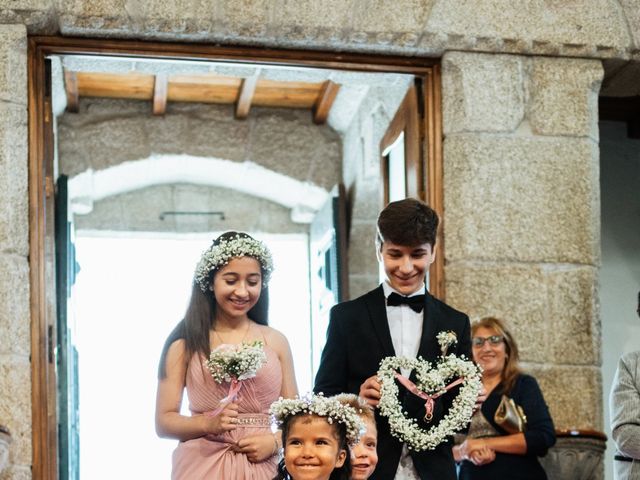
(50, 343)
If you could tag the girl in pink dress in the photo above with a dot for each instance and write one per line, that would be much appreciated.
(228, 306)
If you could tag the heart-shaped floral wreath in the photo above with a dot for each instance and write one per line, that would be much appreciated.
(432, 381)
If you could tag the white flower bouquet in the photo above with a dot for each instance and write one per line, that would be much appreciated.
(229, 362)
(233, 364)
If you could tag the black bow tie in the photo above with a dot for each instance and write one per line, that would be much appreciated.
(416, 303)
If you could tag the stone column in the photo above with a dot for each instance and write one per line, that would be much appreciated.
(522, 206)
(15, 368)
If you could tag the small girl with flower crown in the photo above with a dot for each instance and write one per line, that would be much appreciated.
(317, 433)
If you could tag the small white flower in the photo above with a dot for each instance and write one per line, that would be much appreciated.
(445, 340)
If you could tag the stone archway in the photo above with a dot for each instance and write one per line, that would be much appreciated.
(302, 198)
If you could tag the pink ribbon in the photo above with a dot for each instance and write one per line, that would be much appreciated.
(231, 396)
(429, 399)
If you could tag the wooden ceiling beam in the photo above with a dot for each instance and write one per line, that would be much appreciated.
(71, 88)
(133, 86)
(245, 97)
(204, 88)
(160, 94)
(273, 93)
(324, 102)
(209, 88)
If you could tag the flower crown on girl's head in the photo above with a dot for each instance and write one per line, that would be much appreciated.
(322, 406)
(217, 256)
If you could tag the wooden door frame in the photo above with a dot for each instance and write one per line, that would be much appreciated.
(41, 182)
(406, 119)
(418, 116)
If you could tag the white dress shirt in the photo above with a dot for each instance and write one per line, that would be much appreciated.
(405, 326)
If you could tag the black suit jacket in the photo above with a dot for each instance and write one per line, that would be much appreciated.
(358, 338)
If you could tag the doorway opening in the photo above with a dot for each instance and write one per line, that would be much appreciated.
(128, 294)
(178, 165)
(619, 135)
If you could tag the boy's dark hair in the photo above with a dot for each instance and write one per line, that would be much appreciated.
(409, 222)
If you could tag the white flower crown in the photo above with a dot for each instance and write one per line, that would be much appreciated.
(219, 255)
(322, 406)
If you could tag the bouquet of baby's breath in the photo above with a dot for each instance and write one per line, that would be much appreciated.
(234, 363)
(230, 362)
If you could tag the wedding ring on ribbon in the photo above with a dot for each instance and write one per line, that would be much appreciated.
(231, 396)
(429, 399)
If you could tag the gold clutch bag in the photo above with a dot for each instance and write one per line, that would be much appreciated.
(510, 416)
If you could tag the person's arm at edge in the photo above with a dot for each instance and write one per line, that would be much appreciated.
(540, 434)
(625, 411)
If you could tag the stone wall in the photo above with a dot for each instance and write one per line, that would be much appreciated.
(109, 132)
(15, 321)
(584, 28)
(522, 213)
(141, 211)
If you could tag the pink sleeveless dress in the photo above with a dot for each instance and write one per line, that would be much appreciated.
(211, 457)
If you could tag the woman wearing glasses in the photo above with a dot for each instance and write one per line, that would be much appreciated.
(494, 448)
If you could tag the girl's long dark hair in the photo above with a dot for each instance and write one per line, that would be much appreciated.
(340, 473)
(200, 315)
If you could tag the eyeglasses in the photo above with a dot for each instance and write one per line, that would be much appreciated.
(493, 340)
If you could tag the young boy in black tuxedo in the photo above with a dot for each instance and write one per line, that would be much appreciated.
(398, 318)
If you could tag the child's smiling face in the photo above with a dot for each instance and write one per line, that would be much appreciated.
(364, 456)
(312, 449)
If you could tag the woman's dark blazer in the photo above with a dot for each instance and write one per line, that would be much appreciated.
(358, 338)
(539, 435)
